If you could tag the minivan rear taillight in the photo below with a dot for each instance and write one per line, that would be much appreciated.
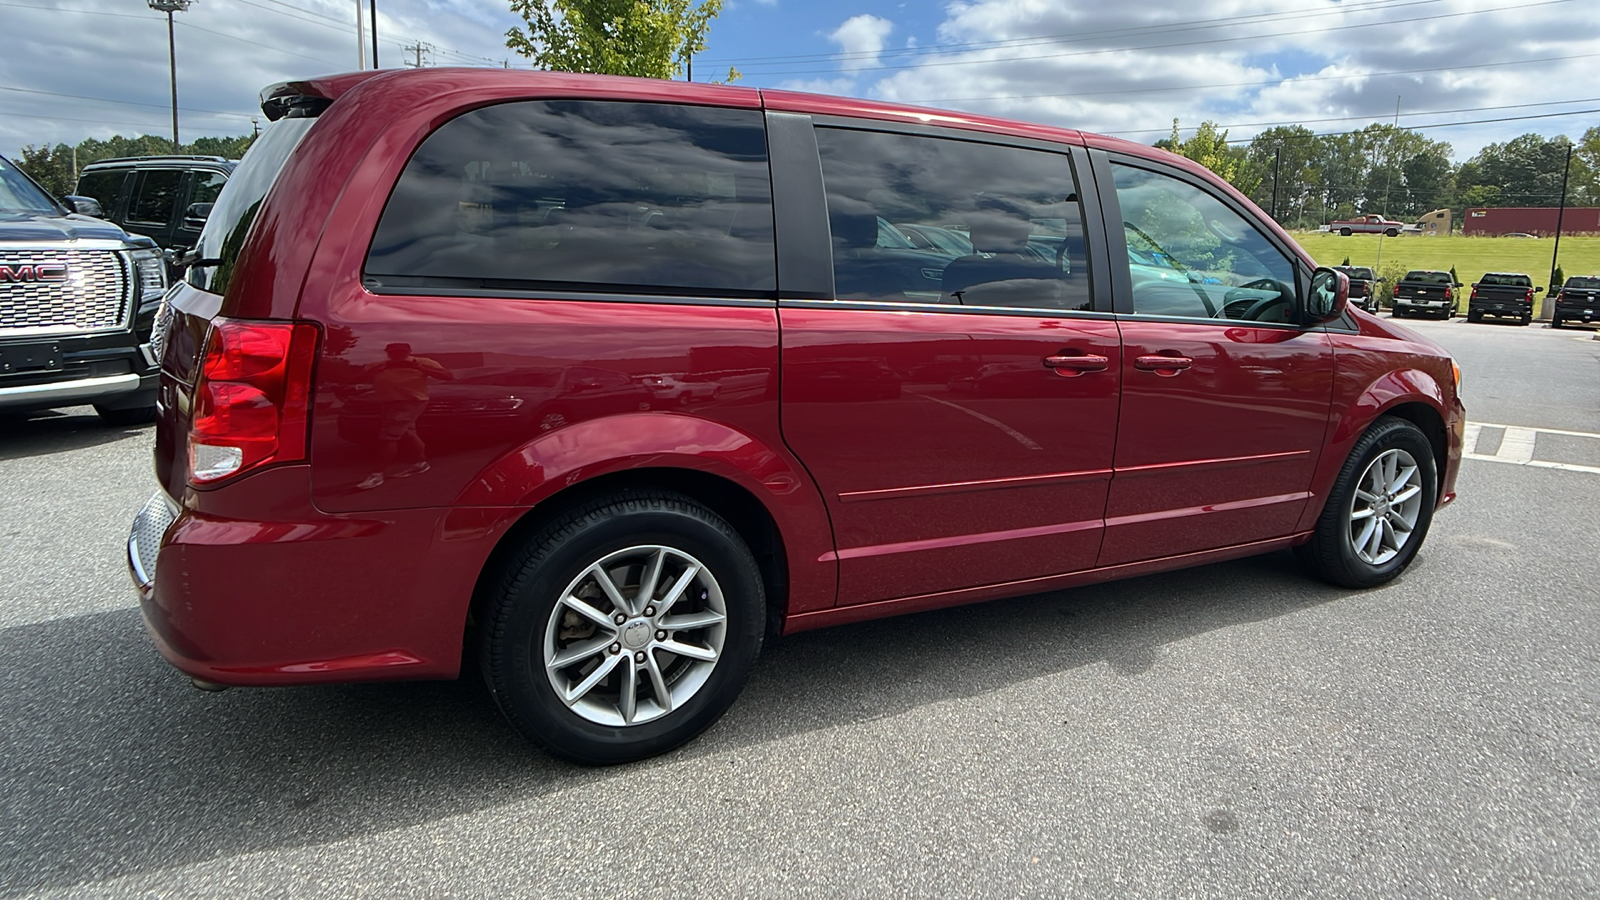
(252, 397)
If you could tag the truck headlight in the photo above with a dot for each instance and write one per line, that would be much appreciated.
(152, 272)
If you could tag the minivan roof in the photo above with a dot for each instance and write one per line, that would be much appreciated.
(310, 95)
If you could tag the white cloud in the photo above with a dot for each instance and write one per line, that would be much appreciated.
(862, 39)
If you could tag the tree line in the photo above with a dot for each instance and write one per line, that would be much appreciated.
(56, 167)
(1305, 180)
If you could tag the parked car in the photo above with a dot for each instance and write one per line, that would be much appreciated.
(1362, 286)
(166, 198)
(1024, 425)
(1425, 292)
(1370, 224)
(1577, 301)
(1502, 294)
(78, 298)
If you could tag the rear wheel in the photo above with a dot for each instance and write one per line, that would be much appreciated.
(1379, 510)
(1345, 232)
(1555, 321)
(1473, 316)
(624, 628)
(1526, 320)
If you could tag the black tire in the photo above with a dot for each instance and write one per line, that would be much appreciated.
(1391, 233)
(1555, 321)
(1345, 232)
(1474, 316)
(137, 415)
(1526, 320)
(518, 621)
(1330, 555)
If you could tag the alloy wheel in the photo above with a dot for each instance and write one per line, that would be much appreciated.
(1385, 507)
(635, 635)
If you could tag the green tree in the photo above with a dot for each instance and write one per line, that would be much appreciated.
(645, 38)
(1209, 147)
(1527, 170)
(53, 167)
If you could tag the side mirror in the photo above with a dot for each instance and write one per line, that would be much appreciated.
(1330, 293)
(1538, 290)
(83, 206)
(1459, 284)
(195, 216)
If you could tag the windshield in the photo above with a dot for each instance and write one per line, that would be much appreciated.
(1429, 277)
(236, 206)
(20, 196)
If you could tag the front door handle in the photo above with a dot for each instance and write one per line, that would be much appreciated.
(1073, 366)
(1165, 366)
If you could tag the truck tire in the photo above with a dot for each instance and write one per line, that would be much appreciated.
(1391, 232)
(1345, 232)
(1555, 321)
(1474, 316)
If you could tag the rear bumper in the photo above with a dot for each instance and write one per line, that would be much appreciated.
(303, 597)
(1579, 312)
(1511, 308)
(1435, 307)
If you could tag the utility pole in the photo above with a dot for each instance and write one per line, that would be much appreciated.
(1555, 254)
(361, 40)
(688, 67)
(418, 48)
(1388, 177)
(1277, 162)
(169, 7)
(374, 32)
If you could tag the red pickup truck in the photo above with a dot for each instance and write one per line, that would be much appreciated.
(1367, 225)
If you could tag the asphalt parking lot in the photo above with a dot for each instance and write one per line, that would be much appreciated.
(1230, 731)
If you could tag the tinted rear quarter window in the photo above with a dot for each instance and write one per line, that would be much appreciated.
(240, 199)
(583, 195)
(103, 187)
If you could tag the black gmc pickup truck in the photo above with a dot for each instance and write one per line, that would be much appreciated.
(1578, 301)
(1508, 294)
(1425, 292)
(78, 297)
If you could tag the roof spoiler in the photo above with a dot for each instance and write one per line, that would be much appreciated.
(308, 98)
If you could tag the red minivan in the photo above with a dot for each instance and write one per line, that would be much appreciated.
(601, 381)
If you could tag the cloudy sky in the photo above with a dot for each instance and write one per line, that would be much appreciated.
(93, 68)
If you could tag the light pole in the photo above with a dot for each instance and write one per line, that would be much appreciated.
(169, 7)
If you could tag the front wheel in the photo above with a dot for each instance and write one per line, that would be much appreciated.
(1379, 510)
(624, 628)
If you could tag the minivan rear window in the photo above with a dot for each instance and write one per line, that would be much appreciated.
(241, 197)
(583, 195)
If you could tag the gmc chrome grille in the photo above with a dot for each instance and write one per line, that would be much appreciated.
(93, 297)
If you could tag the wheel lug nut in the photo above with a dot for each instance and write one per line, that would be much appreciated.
(619, 618)
(615, 649)
(639, 657)
(661, 635)
(649, 610)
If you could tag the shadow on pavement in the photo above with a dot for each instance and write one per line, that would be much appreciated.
(23, 435)
(113, 765)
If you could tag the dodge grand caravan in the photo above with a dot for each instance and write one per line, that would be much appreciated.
(599, 382)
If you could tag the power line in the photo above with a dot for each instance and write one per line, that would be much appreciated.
(1274, 82)
(1166, 46)
(1426, 112)
(1575, 112)
(162, 106)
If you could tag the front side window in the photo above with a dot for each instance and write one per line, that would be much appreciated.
(154, 197)
(1191, 256)
(933, 220)
(584, 195)
(18, 193)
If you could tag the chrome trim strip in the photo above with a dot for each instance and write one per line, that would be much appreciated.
(986, 484)
(1218, 463)
(64, 392)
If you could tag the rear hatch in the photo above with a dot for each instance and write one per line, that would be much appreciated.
(193, 303)
(1424, 286)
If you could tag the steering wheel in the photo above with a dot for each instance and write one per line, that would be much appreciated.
(1249, 307)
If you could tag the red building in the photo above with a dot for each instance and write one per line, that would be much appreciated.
(1540, 220)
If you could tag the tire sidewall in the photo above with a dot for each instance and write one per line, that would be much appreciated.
(517, 660)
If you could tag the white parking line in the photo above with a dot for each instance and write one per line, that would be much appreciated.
(1516, 447)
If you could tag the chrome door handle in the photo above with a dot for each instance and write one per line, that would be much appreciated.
(1166, 366)
(1073, 366)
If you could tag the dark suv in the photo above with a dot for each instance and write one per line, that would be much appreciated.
(608, 379)
(78, 299)
(166, 198)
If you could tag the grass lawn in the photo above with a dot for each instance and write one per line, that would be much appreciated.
(1471, 256)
